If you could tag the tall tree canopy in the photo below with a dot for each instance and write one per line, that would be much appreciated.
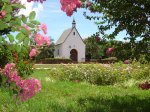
(130, 15)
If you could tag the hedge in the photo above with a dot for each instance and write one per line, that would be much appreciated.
(108, 60)
(53, 61)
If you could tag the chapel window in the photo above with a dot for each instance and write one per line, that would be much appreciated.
(58, 51)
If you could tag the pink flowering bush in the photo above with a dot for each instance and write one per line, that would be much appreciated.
(17, 52)
(26, 88)
(109, 51)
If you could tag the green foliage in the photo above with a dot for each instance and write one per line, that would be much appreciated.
(20, 37)
(46, 52)
(24, 19)
(128, 15)
(5, 55)
(17, 54)
(11, 18)
(144, 59)
(0, 80)
(24, 68)
(127, 50)
(32, 15)
(94, 49)
(11, 38)
(122, 50)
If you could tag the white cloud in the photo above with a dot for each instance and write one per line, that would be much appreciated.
(30, 7)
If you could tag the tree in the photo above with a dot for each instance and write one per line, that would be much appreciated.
(95, 47)
(132, 16)
(92, 48)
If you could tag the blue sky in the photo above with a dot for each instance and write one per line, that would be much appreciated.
(57, 21)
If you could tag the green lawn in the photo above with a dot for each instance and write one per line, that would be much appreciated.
(65, 96)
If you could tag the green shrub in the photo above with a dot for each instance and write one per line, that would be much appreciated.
(54, 61)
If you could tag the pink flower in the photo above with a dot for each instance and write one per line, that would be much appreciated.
(9, 68)
(69, 6)
(126, 62)
(68, 10)
(39, 39)
(32, 53)
(47, 40)
(26, 27)
(14, 77)
(2, 14)
(109, 50)
(29, 88)
(11, 73)
(44, 28)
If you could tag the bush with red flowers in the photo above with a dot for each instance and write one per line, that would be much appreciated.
(17, 52)
(145, 85)
(126, 61)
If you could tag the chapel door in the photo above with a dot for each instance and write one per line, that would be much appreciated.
(74, 55)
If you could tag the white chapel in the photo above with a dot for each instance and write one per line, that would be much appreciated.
(70, 45)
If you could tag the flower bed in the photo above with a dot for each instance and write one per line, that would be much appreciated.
(101, 74)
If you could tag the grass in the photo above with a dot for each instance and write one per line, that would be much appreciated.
(67, 96)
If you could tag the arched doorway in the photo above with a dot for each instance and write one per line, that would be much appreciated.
(74, 55)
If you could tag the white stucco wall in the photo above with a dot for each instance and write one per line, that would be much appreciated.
(58, 47)
(74, 42)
